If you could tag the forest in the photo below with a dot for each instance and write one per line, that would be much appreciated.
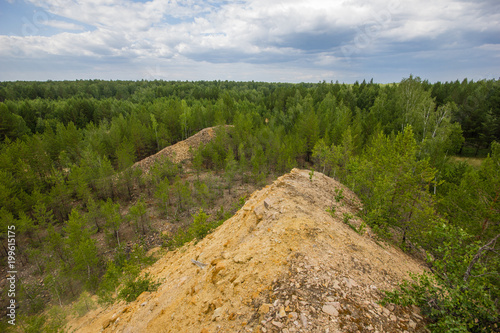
(424, 158)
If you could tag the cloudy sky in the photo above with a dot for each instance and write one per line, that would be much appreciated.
(241, 40)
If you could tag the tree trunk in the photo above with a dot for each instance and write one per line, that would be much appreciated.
(117, 237)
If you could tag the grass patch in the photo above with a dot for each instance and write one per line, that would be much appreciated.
(472, 161)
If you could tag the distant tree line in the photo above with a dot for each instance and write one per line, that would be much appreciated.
(476, 104)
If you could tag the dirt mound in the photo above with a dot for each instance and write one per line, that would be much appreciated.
(281, 264)
(180, 151)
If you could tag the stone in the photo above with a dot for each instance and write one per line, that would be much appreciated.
(282, 312)
(349, 283)
(277, 324)
(264, 308)
(412, 324)
(217, 314)
(336, 284)
(267, 203)
(107, 322)
(386, 312)
(330, 309)
(259, 212)
(303, 319)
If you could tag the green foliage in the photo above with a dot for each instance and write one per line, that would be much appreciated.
(472, 202)
(394, 186)
(133, 287)
(202, 194)
(164, 168)
(113, 218)
(84, 304)
(240, 203)
(339, 194)
(125, 158)
(32, 296)
(12, 126)
(346, 218)
(154, 123)
(163, 193)
(460, 294)
(56, 320)
(230, 168)
(109, 283)
(138, 214)
(196, 230)
(200, 228)
(182, 190)
(66, 148)
(34, 324)
(124, 272)
(332, 210)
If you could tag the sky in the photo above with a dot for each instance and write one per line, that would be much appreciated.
(244, 40)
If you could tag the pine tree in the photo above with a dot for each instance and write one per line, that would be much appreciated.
(138, 213)
(163, 194)
(83, 249)
(113, 217)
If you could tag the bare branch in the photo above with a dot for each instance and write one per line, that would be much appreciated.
(487, 247)
(487, 273)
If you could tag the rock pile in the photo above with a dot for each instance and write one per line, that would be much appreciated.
(285, 262)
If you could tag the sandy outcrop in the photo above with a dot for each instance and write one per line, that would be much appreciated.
(282, 263)
(180, 151)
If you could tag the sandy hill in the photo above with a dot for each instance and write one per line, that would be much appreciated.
(180, 151)
(282, 263)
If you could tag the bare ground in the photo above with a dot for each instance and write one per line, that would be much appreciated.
(282, 263)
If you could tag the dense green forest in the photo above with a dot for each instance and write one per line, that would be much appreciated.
(65, 179)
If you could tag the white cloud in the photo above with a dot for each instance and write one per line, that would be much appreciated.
(62, 25)
(314, 33)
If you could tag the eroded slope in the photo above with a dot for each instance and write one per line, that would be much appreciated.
(281, 264)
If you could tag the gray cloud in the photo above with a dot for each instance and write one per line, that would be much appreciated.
(299, 35)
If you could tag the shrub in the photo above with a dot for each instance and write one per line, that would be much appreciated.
(462, 294)
(84, 304)
(136, 286)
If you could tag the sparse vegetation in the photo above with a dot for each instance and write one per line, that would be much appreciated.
(135, 286)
